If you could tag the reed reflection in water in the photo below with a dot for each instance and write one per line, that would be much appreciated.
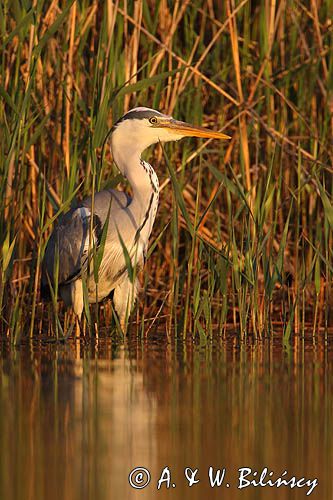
(75, 419)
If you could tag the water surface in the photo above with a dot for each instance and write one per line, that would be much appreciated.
(75, 419)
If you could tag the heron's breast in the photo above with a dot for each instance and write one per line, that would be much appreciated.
(114, 267)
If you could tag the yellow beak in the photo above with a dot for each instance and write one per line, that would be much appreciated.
(185, 129)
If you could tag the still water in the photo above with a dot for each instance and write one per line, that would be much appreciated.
(75, 419)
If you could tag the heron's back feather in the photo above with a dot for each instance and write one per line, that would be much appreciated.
(69, 241)
(68, 245)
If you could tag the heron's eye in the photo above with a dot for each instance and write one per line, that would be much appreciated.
(153, 120)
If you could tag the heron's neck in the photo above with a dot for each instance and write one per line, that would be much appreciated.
(144, 184)
(139, 173)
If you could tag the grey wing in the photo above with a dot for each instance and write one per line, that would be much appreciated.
(69, 243)
(105, 199)
(69, 240)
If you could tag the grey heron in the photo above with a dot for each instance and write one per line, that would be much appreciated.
(129, 220)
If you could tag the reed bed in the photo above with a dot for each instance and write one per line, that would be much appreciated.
(243, 238)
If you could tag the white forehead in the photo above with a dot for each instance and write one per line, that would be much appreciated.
(142, 108)
(148, 110)
(141, 113)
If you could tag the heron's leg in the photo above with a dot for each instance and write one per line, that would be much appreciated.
(77, 296)
(72, 295)
(77, 326)
(73, 320)
(124, 299)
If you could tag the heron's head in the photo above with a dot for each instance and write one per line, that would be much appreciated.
(144, 127)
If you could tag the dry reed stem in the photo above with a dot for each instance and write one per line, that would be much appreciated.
(178, 58)
(222, 27)
(49, 187)
(267, 56)
(9, 185)
(89, 18)
(314, 8)
(131, 52)
(112, 15)
(243, 124)
(226, 160)
(283, 137)
(308, 53)
(176, 18)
